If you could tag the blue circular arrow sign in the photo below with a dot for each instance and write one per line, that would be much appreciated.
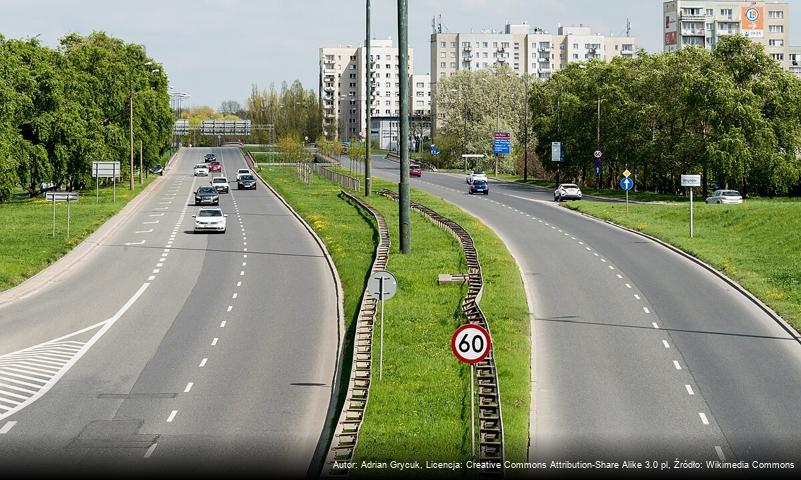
(626, 183)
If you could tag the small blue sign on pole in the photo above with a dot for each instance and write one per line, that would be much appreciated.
(626, 183)
(597, 169)
(502, 143)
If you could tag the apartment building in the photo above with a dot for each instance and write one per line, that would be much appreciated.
(526, 50)
(343, 87)
(703, 23)
(794, 57)
(420, 95)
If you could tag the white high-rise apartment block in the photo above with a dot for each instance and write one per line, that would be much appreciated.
(704, 22)
(420, 95)
(527, 51)
(343, 90)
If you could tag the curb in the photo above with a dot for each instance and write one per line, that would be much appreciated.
(742, 290)
(54, 271)
(320, 451)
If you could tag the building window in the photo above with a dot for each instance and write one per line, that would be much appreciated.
(778, 56)
(710, 12)
(441, 64)
(726, 12)
(776, 14)
(776, 43)
(443, 44)
(776, 28)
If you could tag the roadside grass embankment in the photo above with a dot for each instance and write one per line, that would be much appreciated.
(756, 243)
(421, 408)
(642, 196)
(28, 244)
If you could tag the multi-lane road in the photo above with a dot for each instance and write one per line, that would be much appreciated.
(638, 352)
(171, 349)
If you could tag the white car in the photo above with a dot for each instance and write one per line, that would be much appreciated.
(476, 175)
(220, 184)
(201, 169)
(567, 191)
(209, 219)
(725, 196)
(242, 171)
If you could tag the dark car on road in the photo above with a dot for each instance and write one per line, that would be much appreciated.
(210, 157)
(246, 182)
(479, 186)
(207, 195)
(215, 166)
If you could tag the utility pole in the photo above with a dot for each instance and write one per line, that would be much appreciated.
(130, 123)
(559, 129)
(403, 187)
(598, 140)
(525, 126)
(140, 162)
(368, 167)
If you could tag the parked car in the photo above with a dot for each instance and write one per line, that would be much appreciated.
(479, 186)
(415, 170)
(201, 169)
(215, 166)
(209, 220)
(156, 169)
(220, 184)
(207, 195)
(476, 175)
(725, 196)
(567, 191)
(246, 182)
(242, 171)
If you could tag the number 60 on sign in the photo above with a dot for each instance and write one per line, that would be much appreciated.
(471, 344)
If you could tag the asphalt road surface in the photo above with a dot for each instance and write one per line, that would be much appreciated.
(165, 349)
(639, 352)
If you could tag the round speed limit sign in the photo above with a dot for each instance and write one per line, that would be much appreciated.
(471, 344)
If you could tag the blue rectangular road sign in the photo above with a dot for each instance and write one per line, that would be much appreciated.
(502, 143)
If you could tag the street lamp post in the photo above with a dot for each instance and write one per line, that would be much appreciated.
(525, 126)
(368, 167)
(403, 187)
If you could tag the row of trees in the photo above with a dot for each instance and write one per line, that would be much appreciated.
(291, 110)
(62, 109)
(732, 115)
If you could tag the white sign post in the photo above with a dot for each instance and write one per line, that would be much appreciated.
(61, 197)
(471, 155)
(106, 170)
(471, 344)
(382, 286)
(691, 181)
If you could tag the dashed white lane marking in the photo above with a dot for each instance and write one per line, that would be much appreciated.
(238, 284)
(188, 387)
(636, 296)
(645, 309)
(244, 249)
(719, 451)
(151, 223)
(159, 265)
(130, 244)
(689, 390)
(203, 362)
(149, 451)
(603, 260)
(163, 258)
(151, 278)
(620, 277)
(242, 273)
(172, 416)
(214, 341)
(665, 343)
(244, 264)
(676, 364)
(230, 307)
(235, 295)
(656, 326)
(611, 267)
(628, 285)
(157, 270)
(704, 420)
(222, 324)
(7, 427)
(588, 249)
(156, 215)
(245, 256)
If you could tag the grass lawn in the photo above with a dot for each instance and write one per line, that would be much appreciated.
(260, 148)
(28, 245)
(756, 243)
(421, 408)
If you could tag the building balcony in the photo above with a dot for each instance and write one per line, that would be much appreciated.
(501, 60)
(544, 49)
(696, 32)
(692, 18)
(329, 71)
(543, 59)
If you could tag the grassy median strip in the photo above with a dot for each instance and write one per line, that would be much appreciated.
(756, 243)
(28, 244)
(421, 408)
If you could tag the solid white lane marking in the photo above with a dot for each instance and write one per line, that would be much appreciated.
(676, 364)
(7, 427)
(665, 343)
(203, 362)
(645, 309)
(719, 451)
(149, 451)
(172, 416)
(188, 387)
(704, 420)
(689, 390)
(230, 307)
(135, 243)
(655, 325)
(214, 342)
(222, 324)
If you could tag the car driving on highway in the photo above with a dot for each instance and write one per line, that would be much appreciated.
(478, 186)
(215, 166)
(210, 157)
(200, 169)
(246, 182)
(725, 196)
(209, 219)
(220, 184)
(476, 175)
(207, 195)
(567, 191)
(242, 171)
(415, 170)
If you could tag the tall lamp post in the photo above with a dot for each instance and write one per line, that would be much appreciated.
(368, 167)
(404, 204)
(525, 126)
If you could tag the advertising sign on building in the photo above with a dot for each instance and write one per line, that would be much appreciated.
(671, 29)
(752, 21)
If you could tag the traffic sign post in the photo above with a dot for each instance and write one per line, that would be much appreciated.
(61, 197)
(471, 344)
(691, 181)
(626, 184)
(106, 170)
(382, 286)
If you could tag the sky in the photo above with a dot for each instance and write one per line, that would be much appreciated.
(215, 50)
